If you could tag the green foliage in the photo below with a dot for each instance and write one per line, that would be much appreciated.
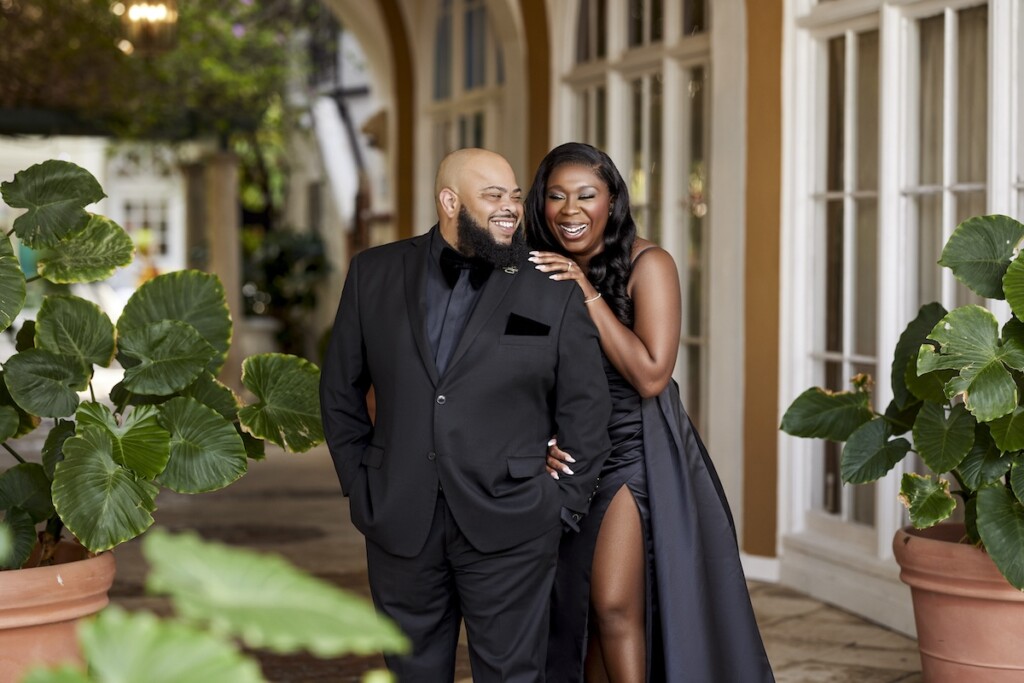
(172, 424)
(957, 377)
(223, 596)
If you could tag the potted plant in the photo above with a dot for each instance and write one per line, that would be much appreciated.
(167, 423)
(222, 596)
(957, 379)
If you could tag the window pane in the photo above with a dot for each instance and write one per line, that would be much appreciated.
(583, 115)
(930, 243)
(694, 275)
(443, 57)
(583, 33)
(835, 113)
(834, 267)
(657, 21)
(654, 159)
(972, 95)
(930, 103)
(636, 22)
(867, 111)
(599, 118)
(866, 273)
(694, 13)
(475, 57)
(638, 179)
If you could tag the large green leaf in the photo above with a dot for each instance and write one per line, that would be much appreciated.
(125, 646)
(169, 355)
(139, 443)
(902, 419)
(985, 463)
(904, 362)
(55, 194)
(22, 532)
(209, 391)
(822, 414)
(75, 327)
(1008, 430)
(64, 673)
(53, 446)
(931, 386)
(263, 599)
(870, 453)
(27, 422)
(206, 452)
(943, 441)
(980, 250)
(968, 339)
(288, 409)
(100, 502)
(6, 545)
(45, 383)
(1001, 526)
(189, 296)
(1013, 285)
(91, 255)
(9, 422)
(1017, 477)
(927, 499)
(12, 284)
(26, 486)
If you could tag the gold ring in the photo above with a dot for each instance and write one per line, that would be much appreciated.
(568, 266)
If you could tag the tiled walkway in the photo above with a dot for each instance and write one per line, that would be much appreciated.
(291, 504)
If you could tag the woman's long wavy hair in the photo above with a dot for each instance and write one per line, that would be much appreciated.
(608, 270)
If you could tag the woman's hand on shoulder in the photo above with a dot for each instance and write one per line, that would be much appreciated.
(561, 267)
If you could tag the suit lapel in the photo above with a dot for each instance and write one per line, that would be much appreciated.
(494, 291)
(416, 260)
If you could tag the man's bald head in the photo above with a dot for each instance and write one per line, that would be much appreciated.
(481, 183)
(454, 168)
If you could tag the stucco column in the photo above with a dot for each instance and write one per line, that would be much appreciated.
(222, 225)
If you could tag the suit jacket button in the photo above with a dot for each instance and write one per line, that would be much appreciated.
(441, 400)
(431, 455)
(575, 517)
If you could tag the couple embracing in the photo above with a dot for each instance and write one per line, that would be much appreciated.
(530, 469)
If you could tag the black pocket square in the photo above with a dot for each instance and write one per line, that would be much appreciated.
(527, 327)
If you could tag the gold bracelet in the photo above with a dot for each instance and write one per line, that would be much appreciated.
(592, 299)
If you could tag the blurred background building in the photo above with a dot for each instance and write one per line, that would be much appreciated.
(804, 161)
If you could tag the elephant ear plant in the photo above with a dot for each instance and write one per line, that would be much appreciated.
(957, 379)
(168, 423)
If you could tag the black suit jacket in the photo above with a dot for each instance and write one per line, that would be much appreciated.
(528, 366)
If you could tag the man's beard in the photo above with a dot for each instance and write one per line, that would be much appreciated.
(475, 240)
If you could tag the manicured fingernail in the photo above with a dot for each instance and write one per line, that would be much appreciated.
(554, 474)
(570, 458)
(534, 253)
(553, 442)
(533, 259)
(565, 468)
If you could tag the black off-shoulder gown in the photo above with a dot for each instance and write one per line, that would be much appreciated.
(700, 624)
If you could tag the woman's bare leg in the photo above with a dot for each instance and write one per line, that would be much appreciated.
(617, 592)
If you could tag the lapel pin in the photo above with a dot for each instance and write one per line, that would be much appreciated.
(511, 270)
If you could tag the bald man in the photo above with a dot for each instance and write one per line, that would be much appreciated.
(476, 360)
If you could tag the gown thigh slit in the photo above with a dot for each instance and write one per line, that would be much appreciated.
(699, 622)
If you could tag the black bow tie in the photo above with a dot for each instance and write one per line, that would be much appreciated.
(452, 262)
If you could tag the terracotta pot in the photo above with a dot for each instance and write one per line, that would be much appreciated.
(39, 608)
(969, 619)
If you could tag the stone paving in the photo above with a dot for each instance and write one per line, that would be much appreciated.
(291, 504)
